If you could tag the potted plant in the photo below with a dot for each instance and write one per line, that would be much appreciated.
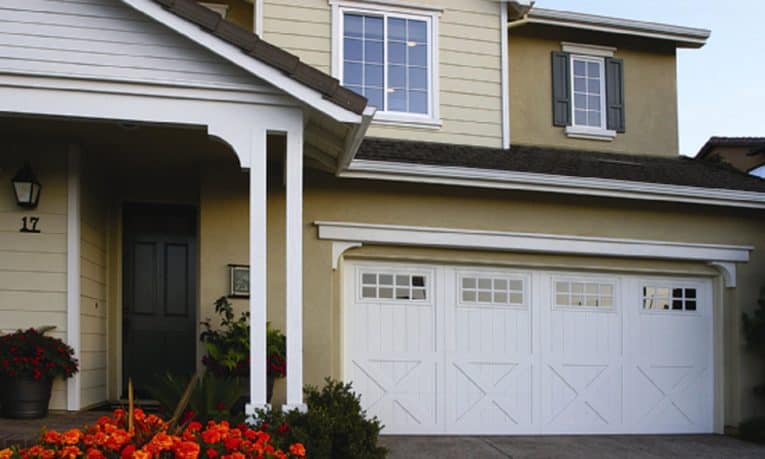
(228, 347)
(29, 361)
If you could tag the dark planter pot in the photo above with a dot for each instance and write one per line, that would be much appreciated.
(238, 407)
(25, 397)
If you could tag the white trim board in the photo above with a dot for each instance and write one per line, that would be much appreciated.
(235, 55)
(528, 242)
(73, 280)
(682, 36)
(531, 181)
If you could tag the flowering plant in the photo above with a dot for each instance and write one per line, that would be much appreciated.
(31, 353)
(151, 438)
(228, 347)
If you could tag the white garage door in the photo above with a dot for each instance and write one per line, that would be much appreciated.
(455, 350)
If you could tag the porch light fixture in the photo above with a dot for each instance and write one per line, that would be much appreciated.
(26, 187)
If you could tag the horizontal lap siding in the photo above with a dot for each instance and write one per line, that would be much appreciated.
(93, 272)
(469, 58)
(33, 266)
(107, 39)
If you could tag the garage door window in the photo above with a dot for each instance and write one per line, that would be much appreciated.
(587, 294)
(393, 286)
(492, 290)
(669, 298)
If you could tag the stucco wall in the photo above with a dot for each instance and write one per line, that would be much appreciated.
(33, 266)
(224, 223)
(649, 85)
(469, 58)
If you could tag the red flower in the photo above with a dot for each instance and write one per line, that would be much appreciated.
(211, 453)
(220, 406)
(283, 428)
(127, 452)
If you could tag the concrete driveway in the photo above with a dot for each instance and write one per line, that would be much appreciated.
(690, 446)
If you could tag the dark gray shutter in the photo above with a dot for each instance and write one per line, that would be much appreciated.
(615, 94)
(561, 89)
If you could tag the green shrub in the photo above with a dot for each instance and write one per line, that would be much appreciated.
(212, 399)
(334, 426)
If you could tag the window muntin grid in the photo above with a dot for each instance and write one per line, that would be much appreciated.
(386, 58)
(588, 87)
(493, 290)
(393, 286)
(665, 298)
(587, 294)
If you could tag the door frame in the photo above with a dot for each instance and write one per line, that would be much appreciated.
(117, 243)
(713, 289)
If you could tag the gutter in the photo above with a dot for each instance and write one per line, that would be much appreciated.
(531, 181)
(356, 136)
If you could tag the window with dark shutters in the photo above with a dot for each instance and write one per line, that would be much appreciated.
(562, 92)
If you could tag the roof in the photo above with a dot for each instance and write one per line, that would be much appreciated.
(757, 144)
(574, 163)
(267, 53)
(690, 37)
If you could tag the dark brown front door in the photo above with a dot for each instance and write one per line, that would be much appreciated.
(159, 299)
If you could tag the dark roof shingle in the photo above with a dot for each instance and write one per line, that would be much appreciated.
(652, 169)
(714, 142)
(263, 51)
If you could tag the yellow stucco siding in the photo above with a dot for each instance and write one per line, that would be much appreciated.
(649, 85)
(33, 266)
(224, 223)
(469, 64)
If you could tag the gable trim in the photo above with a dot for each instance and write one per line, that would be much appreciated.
(423, 236)
(271, 75)
(530, 181)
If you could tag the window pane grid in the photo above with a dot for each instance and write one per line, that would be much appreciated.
(669, 298)
(584, 294)
(587, 88)
(390, 286)
(387, 59)
(492, 290)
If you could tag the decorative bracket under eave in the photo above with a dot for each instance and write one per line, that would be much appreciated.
(728, 271)
(339, 248)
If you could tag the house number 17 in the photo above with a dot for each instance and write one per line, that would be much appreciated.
(29, 225)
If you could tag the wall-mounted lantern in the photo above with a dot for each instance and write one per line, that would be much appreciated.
(26, 187)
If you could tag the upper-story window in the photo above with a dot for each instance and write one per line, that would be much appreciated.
(588, 91)
(388, 57)
(588, 82)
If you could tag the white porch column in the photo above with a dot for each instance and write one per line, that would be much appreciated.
(73, 272)
(258, 284)
(294, 266)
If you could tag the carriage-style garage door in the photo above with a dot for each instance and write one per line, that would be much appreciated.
(459, 350)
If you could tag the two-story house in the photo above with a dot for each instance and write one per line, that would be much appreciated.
(474, 210)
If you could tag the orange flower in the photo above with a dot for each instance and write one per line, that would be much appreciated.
(236, 455)
(51, 436)
(139, 415)
(232, 443)
(211, 435)
(94, 453)
(162, 441)
(297, 449)
(6, 453)
(72, 437)
(280, 455)
(47, 454)
(69, 452)
(141, 454)
(117, 440)
(187, 450)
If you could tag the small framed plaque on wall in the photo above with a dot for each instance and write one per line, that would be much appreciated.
(239, 281)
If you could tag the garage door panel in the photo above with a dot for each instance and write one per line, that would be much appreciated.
(492, 395)
(483, 351)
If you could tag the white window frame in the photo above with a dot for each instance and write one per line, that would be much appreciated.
(402, 10)
(220, 8)
(615, 291)
(589, 53)
(662, 283)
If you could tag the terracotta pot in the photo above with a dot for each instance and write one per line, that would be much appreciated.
(25, 397)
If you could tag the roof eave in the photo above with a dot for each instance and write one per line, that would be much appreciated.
(683, 37)
(533, 181)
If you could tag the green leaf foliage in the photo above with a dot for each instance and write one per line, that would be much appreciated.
(211, 400)
(334, 426)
